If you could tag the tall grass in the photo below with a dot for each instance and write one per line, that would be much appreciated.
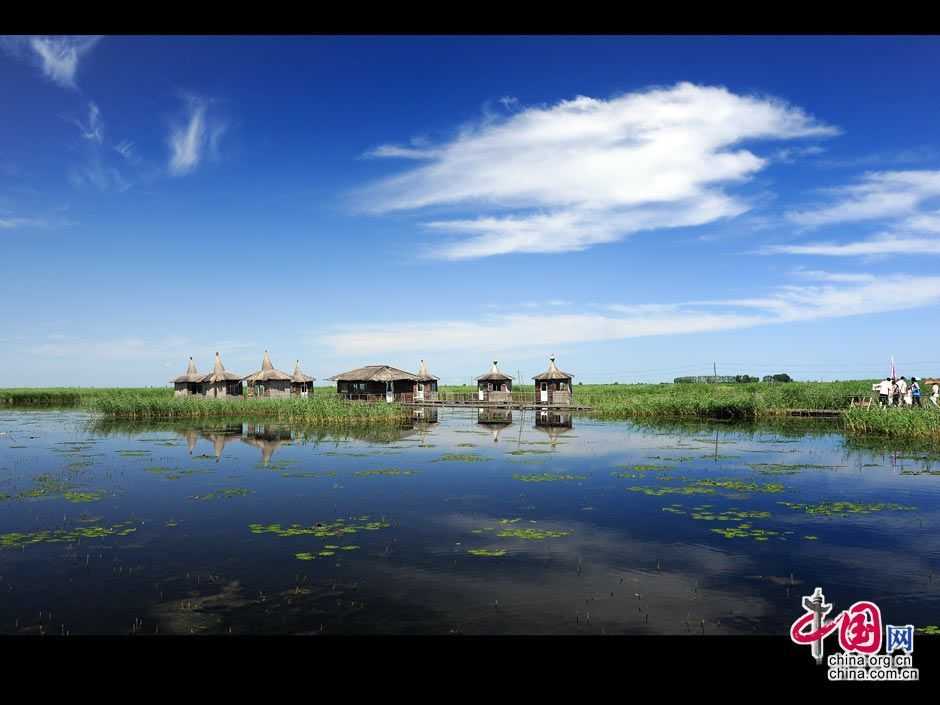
(323, 407)
(894, 422)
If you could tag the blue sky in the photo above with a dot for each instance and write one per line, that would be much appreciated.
(640, 207)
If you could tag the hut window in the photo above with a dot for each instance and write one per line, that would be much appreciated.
(563, 386)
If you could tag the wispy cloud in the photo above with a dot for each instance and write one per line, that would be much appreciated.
(10, 223)
(190, 139)
(94, 130)
(884, 194)
(589, 171)
(126, 150)
(835, 297)
(58, 57)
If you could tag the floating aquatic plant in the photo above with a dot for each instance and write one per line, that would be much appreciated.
(460, 458)
(19, 539)
(487, 552)
(842, 508)
(223, 494)
(548, 477)
(391, 472)
(746, 531)
(320, 530)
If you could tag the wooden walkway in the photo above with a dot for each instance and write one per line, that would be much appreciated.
(513, 405)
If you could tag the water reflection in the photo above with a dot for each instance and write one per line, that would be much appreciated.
(620, 527)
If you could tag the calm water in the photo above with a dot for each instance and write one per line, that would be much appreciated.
(607, 527)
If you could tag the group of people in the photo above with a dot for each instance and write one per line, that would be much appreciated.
(898, 392)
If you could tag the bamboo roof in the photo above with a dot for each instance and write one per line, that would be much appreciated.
(190, 376)
(267, 372)
(494, 374)
(219, 374)
(374, 373)
(424, 375)
(299, 377)
(552, 372)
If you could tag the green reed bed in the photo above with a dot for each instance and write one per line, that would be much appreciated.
(894, 422)
(310, 410)
(74, 396)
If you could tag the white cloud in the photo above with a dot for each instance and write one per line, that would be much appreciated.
(883, 194)
(126, 150)
(13, 223)
(836, 298)
(94, 131)
(189, 141)
(589, 171)
(58, 57)
(884, 245)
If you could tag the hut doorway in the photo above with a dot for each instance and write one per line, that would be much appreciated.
(544, 390)
(419, 392)
(389, 392)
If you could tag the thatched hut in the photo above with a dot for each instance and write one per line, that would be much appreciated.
(553, 386)
(189, 384)
(426, 388)
(220, 384)
(553, 424)
(268, 382)
(300, 383)
(494, 420)
(376, 382)
(494, 385)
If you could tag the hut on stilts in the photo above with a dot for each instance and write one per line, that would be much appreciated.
(300, 383)
(494, 386)
(268, 382)
(220, 384)
(426, 388)
(189, 384)
(375, 383)
(553, 386)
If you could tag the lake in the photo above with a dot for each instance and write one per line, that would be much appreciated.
(468, 521)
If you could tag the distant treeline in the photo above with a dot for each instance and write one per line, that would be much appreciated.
(731, 379)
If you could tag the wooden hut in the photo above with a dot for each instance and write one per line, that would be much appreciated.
(494, 385)
(553, 386)
(300, 384)
(268, 382)
(375, 383)
(220, 384)
(189, 384)
(426, 388)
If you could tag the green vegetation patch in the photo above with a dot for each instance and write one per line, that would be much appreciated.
(932, 629)
(227, 493)
(740, 486)
(487, 552)
(548, 477)
(19, 539)
(532, 534)
(460, 458)
(730, 515)
(320, 530)
(744, 531)
(72, 496)
(390, 472)
(660, 491)
(843, 508)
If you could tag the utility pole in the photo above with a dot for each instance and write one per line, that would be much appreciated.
(715, 369)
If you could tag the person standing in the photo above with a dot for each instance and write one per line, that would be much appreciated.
(915, 391)
(884, 392)
(902, 391)
(935, 394)
(892, 392)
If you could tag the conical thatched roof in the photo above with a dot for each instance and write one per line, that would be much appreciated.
(424, 375)
(219, 374)
(374, 373)
(299, 377)
(494, 375)
(552, 372)
(267, 372)
(191, 374)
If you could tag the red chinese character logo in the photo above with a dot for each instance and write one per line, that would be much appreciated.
(861, 628)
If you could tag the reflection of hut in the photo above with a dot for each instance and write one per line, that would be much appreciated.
(267, 438)
(191, 437)
(553, 386)
(219, 441)
(189, 384)
(494, 385)
(268, 382)
(424, 414)
(299, 382)
(495, 420)
(376, 382)
(426, 388)
(220, 383)
(553, 424)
